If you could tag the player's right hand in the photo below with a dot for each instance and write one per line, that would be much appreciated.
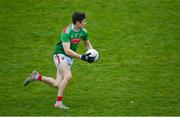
(87, 58)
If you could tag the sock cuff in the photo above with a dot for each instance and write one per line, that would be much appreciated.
(59, 98)
(39, 77)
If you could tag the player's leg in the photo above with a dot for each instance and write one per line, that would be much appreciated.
(36, 76)
(59, 76)
(66, 72)
(51, 81)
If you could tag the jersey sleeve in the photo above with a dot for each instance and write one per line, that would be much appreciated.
(65, 37)
(85, 35)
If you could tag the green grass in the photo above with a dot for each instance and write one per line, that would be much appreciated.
(138, 41)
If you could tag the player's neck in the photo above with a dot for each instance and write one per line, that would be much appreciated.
(75, 28)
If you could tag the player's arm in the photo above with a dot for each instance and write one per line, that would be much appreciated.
(69, 52)
(86, 41)
(88, 44)
(66, 46)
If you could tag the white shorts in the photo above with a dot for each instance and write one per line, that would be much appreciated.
(58, 58)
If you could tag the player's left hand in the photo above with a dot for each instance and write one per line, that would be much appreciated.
(87, 58)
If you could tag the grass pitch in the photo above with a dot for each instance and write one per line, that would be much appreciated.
(138, 72)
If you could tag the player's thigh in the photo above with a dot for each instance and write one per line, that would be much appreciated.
(65, 70)
(59, 77)
(63, 64)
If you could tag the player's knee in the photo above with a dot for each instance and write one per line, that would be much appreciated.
(56, 84)
(68, 77)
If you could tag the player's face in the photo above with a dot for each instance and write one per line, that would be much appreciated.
(82, 24)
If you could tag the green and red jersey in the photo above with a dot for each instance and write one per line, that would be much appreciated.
(71, 36)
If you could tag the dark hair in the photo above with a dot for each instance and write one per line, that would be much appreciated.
(78, 17)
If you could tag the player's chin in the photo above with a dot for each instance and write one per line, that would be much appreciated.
(83, 26)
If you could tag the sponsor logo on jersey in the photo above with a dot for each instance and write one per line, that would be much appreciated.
(75, 40)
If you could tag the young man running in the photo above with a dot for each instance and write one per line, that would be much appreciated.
(65, 51)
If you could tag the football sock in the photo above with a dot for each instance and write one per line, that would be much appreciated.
(38, 77)
(59, 100)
